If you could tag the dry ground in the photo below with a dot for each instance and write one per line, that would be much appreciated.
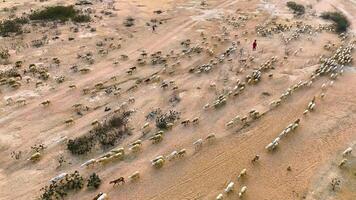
(313, 152)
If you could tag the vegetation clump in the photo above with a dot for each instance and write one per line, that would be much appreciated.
(298, 9)
(12, 26)
(107, 133)
(163, 120)
(54, 13)
(94, 181)
(340, 21)
(59, 189)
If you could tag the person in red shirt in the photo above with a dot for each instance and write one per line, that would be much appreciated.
(254, 45)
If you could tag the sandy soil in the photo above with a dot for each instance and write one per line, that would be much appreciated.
(312, 152)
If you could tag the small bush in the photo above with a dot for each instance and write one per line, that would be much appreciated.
(94, 181)
(60, 189)
(129, 21)
(106, 134)
(341, 22)
(62, 13)
(80, 145)
(81, 18)
(298, 9)
(163, 120)
(12, 26)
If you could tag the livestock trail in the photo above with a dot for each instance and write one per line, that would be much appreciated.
(169, 100)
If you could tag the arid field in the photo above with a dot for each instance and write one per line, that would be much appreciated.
(168, 100)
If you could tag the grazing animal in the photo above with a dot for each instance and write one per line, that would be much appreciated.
(229, 188)
(118, 181)
(255, 159)
(347, 152)
(135, 176)
(242, 191)
(343, 163)
(220, 197)
(242, 173)
(198, 144)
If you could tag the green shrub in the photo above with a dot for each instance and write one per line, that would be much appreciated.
(341, 22)
(298, 9)
(94, 181)
(106, 134)
(12, 26)
(80, 145)
(62, 13)
(81, 18)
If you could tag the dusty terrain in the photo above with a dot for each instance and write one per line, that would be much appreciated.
(302, 166)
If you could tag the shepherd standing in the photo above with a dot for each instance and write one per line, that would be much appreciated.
(254, 45)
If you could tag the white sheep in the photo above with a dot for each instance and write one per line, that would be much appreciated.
(172, 156)
(229, 124)
(347, 152)
(229, 188)
(343, 163)
(220, 197)
(242, 173)
(135, 176)
(198, 144)
(242, 191)
(210, 137)
(57, 178)
(104, 196)
(88, 163)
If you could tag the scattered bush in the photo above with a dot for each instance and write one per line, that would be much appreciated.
(341, 22)
(129, 21)
(60, 189)
(298, 9)
(106, 134)
(94, 181)
(62, 13)
(81, 145)
(163, 120)
(81, 18)
(12, 26)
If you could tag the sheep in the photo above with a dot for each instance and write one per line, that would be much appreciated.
(59, 177)
(146, 128)
(229, 188)
(88, 163)
(198, 144)
(104, 160)
(35, 157)
(185, 122)
(242, 191)
(157, 158)
(21, 102)
(347, 152)
(158, 163)
(131, 100)
(343, 163)
(119, 156)
(136, 142)
(242, 173)
(172, 156)
(135, 176)
(305, 112)
(210, 137)
(206, 106)
(195, 120)
(45, 103)
(255, 159)
(156, 138)
(229, 124)
(104, 196)
(118, 150)
(69, 121)
(220, 197)
(182, 152)
(135, 148)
